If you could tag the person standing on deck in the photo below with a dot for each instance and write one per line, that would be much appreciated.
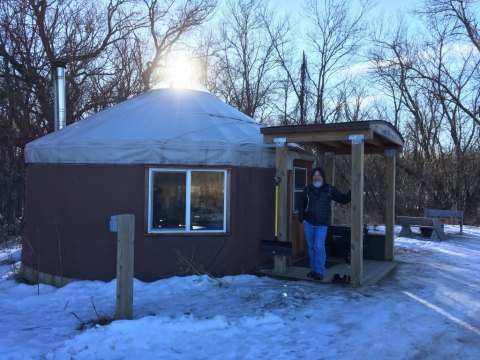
(315, 213)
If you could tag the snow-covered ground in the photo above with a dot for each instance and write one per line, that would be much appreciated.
(428, 308)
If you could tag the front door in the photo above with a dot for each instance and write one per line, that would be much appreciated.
(298, 180)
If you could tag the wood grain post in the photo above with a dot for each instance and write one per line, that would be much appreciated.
(280, 262)
(390, 157)
(330, 173)
(125, 248)
(357, 209)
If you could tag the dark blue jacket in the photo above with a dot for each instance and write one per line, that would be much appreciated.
(315, 207)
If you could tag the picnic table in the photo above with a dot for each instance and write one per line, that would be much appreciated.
(445, 215)
(432, 223)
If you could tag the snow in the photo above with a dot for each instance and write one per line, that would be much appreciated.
(428, 308)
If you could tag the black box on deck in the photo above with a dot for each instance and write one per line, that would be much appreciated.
(338, 240)
(374, 247)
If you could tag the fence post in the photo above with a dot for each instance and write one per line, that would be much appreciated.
(124, 225)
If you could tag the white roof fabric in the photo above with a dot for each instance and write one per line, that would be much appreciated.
(164, 126)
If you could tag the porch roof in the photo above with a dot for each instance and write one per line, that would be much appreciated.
(378, 136)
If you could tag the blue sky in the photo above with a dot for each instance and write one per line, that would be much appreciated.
(381, 9)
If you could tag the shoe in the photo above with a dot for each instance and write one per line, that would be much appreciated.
(317, 276)
(311, 274)
(341, 279)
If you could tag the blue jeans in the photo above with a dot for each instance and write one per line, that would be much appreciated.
(315, 236)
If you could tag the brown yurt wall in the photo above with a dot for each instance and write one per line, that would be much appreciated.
(69, 209)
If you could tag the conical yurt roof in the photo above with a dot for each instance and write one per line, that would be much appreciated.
(163, 126)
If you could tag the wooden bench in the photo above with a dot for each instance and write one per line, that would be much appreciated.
(433, 223)
(444, 215)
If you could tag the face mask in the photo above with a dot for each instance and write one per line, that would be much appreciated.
(317, 183)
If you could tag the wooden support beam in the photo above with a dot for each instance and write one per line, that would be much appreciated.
(334, 144)
(390, 156)
(280, 262)
(357, 209)
(318, 136)
(330, 173)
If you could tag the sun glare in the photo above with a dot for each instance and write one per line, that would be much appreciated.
(181, 73)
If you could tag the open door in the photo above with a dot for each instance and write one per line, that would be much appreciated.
(297, 181)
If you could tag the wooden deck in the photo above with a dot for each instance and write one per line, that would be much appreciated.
(373, 271)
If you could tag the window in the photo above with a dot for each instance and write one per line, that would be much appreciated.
(299, 183)
(187, 200)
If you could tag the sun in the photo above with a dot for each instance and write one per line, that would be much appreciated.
(181, 72)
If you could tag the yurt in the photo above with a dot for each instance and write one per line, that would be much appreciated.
(194, 171)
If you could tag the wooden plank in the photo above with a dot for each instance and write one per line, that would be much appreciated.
(387, 131)
(378, 135)
(330, 173)
(357, 211)
(373, 272)
(389, 203)
(413, 220)
(406, 231)
(334, 144)
(280, 262)
(437, 228)
(446, 215)
(375, 141)
(339, 149)
(318, 136)
(125, 242)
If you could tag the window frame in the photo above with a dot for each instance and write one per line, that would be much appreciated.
(188, 187)
(294, 189)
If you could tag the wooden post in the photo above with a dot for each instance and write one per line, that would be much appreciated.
(357, 209)
(125, 227)
(330, 173)
(390, 155)
(280, 262)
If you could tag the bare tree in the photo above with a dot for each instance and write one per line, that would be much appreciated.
(453, 23)
(205, 54)
(33, 35)
(244, 59)
(335, 38)
(294, 73)
(352, 99)
(168, 22)
(432, 79)
(461, 15)
(106, 48)
(304, 79)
